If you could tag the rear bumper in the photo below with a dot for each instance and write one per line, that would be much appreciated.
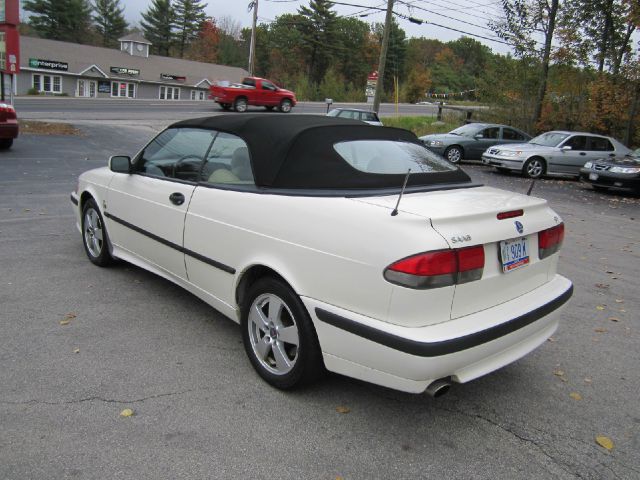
(9, 130)
(409, 359)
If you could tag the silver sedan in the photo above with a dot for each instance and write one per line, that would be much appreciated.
(556, 152)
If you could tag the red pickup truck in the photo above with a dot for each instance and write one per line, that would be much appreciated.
(252, 91)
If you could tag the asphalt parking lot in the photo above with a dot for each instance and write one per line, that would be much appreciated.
(80, 344)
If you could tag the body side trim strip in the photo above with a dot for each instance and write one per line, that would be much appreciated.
(444, 347)
(186, 251)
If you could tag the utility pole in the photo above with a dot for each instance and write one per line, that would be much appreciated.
(252, 47)
(383, 56)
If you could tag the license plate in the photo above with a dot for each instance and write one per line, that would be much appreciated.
(514, 254)
(593, 176)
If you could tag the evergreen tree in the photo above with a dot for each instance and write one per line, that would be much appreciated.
(158, 23)
(66, 20)
(319, 39)
(109, 21)
(189, 17)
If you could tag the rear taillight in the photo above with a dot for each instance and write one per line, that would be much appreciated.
(550, 241)
(440, 268)
(7, 112)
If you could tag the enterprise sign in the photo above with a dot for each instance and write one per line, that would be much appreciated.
(48, 64)
(125, 71)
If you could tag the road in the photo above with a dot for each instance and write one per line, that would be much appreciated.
(64, 108)
(79, 344)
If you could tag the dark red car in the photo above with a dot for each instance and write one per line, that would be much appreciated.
(8, 125)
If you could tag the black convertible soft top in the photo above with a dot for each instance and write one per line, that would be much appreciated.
(297, 151)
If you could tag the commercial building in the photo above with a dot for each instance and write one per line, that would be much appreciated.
(49, 67)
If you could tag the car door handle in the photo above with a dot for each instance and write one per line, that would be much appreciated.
(176, 198)
(582, 153)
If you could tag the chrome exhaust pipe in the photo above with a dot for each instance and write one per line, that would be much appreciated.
(438, 387)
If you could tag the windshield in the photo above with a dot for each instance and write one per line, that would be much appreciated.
(391, 157)
(465, 130)
(549, 139)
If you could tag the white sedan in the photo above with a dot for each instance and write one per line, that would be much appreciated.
(335, 245)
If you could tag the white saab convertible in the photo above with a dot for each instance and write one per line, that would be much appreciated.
(335, 245)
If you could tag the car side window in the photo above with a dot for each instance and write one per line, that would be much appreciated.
(491, 133)
(175, 153)
(249, 82)
(599, 144)
(577, 142)
(228, 162)
(268, 85)
(369, 117)
(511, 134)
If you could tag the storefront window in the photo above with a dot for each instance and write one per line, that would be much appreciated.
(169, 93)
(123, 89)
(47, 83)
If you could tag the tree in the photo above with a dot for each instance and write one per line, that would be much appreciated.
(231, 47)
(109, 21)
(158, 23)
(318, 28)
(522, 21)
(205, 47)
(357, 50)
(66, 20)
(189, 15)
(599, 30)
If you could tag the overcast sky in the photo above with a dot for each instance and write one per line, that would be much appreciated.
(467, 15)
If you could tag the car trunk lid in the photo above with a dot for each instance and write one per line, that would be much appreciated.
(468, 217)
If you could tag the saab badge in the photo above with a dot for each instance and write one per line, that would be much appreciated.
(519, 227)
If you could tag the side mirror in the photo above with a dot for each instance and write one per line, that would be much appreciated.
(566, 148)
(478, 136)
(120, 164)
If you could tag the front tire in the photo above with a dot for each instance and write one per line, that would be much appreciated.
(94, 235)
(286, 105)
(240, 105)
(278, 335)
(534, 168)
(454, 154)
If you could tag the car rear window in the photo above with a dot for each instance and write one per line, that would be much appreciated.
(391, 157)
(370, 117)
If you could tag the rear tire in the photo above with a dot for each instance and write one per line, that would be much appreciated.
(94, 235)
(599, 188)
(278, 335)
(6, 143)
(269, 108)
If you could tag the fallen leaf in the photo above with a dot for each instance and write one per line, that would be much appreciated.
(600, 330)
(77, 350)
(70, 315)
(587, 380)
(575, 396)
(614, 319)
(127, 412)
(558, 373)
(600, 307)
(602, 285)
(551, 339)
(604, 442)
(619, 300)
(343, 409)
(66, 321)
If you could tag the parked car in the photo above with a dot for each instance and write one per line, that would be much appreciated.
(557, 152)
(366, 116)
(615, 172)
(471, 140)
(339, 246)
(8, 125)
(252, 91)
